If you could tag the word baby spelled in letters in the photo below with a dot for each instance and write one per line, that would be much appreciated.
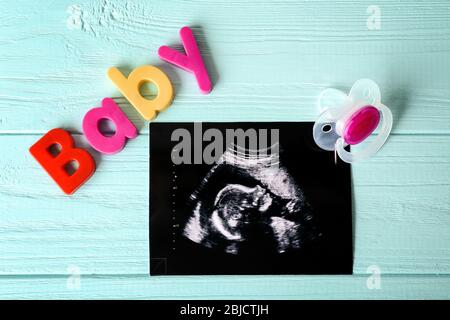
(57, 164)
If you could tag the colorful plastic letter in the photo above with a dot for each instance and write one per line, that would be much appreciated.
(124, 128)
(130, 86)
(191, 62)
(55, 165)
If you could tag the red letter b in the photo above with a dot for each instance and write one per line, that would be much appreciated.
(56, 165)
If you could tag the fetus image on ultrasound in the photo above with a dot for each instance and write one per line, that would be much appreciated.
(246, 203)
(224, 203)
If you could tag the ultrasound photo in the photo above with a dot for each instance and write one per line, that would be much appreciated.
(247, 198)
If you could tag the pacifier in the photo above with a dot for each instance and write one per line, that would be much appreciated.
(349, 119)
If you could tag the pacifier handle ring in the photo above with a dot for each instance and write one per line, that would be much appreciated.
(331, 92)
(374, 146)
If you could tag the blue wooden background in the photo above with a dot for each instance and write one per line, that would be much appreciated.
(268, 61)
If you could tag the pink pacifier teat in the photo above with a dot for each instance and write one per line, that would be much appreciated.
(349, 119)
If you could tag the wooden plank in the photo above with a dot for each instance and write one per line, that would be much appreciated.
(102, 229)
(238, 287)
(268, 61)
(400, 196)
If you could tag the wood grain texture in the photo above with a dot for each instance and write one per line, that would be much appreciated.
(242, 287)
(268, 61)
(401, 214)
(271, 59)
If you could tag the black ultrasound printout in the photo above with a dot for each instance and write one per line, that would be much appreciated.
(283, 211)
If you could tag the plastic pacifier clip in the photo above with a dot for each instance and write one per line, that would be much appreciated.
(349, 119)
